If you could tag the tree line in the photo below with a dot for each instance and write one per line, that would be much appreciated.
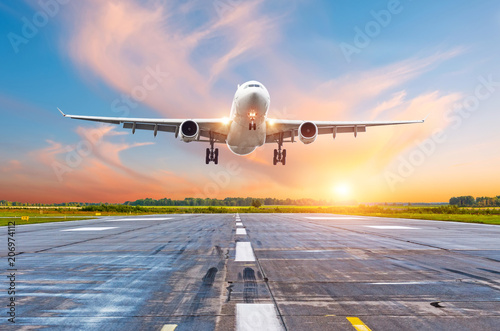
(63, 204)
(187, 202)
(227, 202)
(470, 201)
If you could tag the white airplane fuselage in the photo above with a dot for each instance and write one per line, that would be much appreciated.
(250, 106)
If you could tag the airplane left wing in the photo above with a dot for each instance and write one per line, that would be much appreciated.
(283, 129)
(215, 128)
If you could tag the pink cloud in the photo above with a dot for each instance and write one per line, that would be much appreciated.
(62, 173)
(119, 40)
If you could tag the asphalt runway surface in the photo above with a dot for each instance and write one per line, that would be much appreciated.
(254, 272)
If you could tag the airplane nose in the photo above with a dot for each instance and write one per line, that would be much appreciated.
(253, 100)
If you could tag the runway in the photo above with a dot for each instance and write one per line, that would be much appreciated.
(255, 272)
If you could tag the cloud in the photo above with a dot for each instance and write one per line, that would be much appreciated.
(397, 99)
(70, 172)
(118, 40)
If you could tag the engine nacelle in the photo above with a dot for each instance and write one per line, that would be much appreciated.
(189, 131)
(308, 132)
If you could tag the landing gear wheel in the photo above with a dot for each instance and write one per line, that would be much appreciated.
(254, 126)
(279, 154)
(212, 153)
(250, 126)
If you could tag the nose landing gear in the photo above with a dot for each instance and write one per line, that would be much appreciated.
(252, 125)
(212, 154)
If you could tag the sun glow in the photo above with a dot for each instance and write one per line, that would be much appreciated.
(342, 191)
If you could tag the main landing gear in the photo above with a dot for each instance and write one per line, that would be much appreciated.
(279, 154)
(212, 153)
(252, 126)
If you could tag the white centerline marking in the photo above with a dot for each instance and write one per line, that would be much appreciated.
(92, 229)
(244, 252)
(390, 227)
(241, 231)
(239, 224)
(404, 283)
(334, 218)
(140, 219)
(257, 316)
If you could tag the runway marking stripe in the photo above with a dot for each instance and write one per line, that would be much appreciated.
(358, 324)
(244, 252)
(92, 229)
(169, 327)
(334, 218)
(391, 227)
(239, 224)
(404, 283)
(241, 231)
(253, 316)
(140, 219)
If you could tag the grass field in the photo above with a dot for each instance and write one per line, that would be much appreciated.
(446, 213)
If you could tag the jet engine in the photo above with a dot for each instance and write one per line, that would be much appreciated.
(189, 130)
(308, 132)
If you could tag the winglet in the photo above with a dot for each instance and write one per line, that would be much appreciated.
(63, 114)
(426, 117)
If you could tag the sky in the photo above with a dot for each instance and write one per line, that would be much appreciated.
(320, 60)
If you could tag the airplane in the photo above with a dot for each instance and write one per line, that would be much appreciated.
(246, 128)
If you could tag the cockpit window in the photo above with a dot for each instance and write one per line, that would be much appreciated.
(252, 85)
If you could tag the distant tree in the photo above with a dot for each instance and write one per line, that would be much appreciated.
(463, 201)
(256, 203)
